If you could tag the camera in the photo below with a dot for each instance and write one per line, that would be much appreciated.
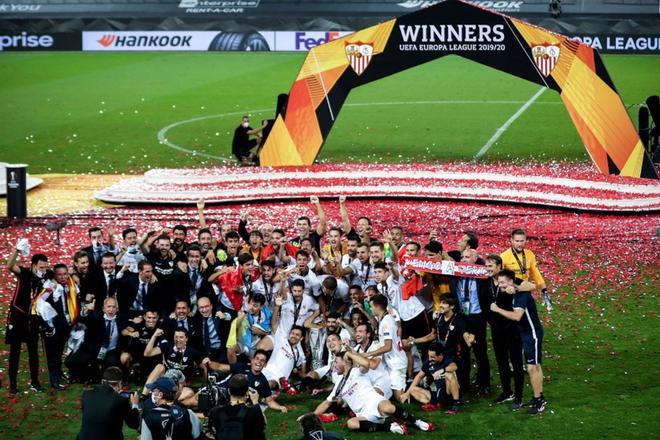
(213, 394)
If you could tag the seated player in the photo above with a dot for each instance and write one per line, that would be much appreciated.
(370, 408)
(177, 356)
(436, 380)
(287, 353)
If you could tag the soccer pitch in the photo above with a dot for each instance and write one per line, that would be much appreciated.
(102, 112)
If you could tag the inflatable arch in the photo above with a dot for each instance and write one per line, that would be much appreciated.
(573, 69)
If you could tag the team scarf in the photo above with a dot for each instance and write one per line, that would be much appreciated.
(72, 304)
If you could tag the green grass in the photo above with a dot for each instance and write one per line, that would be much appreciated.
(601, 382)
(101, 112)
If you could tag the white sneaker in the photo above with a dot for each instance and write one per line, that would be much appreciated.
(395, 428)
(422, 425)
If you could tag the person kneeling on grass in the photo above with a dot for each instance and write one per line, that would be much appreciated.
(439, 375)
(370, 408)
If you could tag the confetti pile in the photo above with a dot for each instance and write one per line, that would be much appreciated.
(564, 185)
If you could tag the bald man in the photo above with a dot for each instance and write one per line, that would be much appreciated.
(474, 302)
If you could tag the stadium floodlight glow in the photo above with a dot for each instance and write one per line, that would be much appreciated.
(554, 8)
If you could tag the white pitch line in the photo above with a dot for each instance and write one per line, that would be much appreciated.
(325, 92)
(500, 131)
(162, 133)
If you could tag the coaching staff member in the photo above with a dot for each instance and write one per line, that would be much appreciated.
(104, 411)
(242, 144)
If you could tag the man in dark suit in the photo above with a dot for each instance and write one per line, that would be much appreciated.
(106, 282)
(104, 411)
(182, 319)
(138, 293)
(101, 345)
(474, 300)
(57, 306)
(211, 333)
(97, 248)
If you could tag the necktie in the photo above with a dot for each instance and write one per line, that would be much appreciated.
(110, 278)
(193, 279)
(108, 332)
(207, 334)
(138, 305)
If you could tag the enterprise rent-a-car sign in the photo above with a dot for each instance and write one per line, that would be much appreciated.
(28, 41)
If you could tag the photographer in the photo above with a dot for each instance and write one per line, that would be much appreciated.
(167, 420)
(104, 410)
(242, 418)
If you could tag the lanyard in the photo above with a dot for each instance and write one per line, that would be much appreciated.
(341, 385)
(365, 277)
(296, 311)
(247, 282)
(449, 330)
(465, 289)
(295, 355)
(523, 265)
(268, 290)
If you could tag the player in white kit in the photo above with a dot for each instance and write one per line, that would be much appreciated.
(371, 409)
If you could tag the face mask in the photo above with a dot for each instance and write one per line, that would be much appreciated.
(133, 249)
(40, 273)
(95, 244)
(245, 124)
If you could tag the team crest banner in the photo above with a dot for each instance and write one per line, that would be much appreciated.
(569, 67)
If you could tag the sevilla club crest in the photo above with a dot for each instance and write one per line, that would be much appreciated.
(546, 56)
(359, 55)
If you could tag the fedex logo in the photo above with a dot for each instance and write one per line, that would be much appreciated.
(305, 40)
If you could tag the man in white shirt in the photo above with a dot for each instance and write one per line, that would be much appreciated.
(391, 347)
(370, 408)
(266, 284)
(378, 374)
(303, 272)
(287, 353)
(361, 268)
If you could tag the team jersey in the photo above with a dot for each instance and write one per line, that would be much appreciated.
(449, 333)
(267, 289)
(293, 313)
(174, 359)
(408, 309)
(379, 376)
(523, 264)
(255, 381)
(396, 357)
(356, 390)
(429, 368)
(530, 322)
(363, 274)
(284, 357)
(312, 284)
